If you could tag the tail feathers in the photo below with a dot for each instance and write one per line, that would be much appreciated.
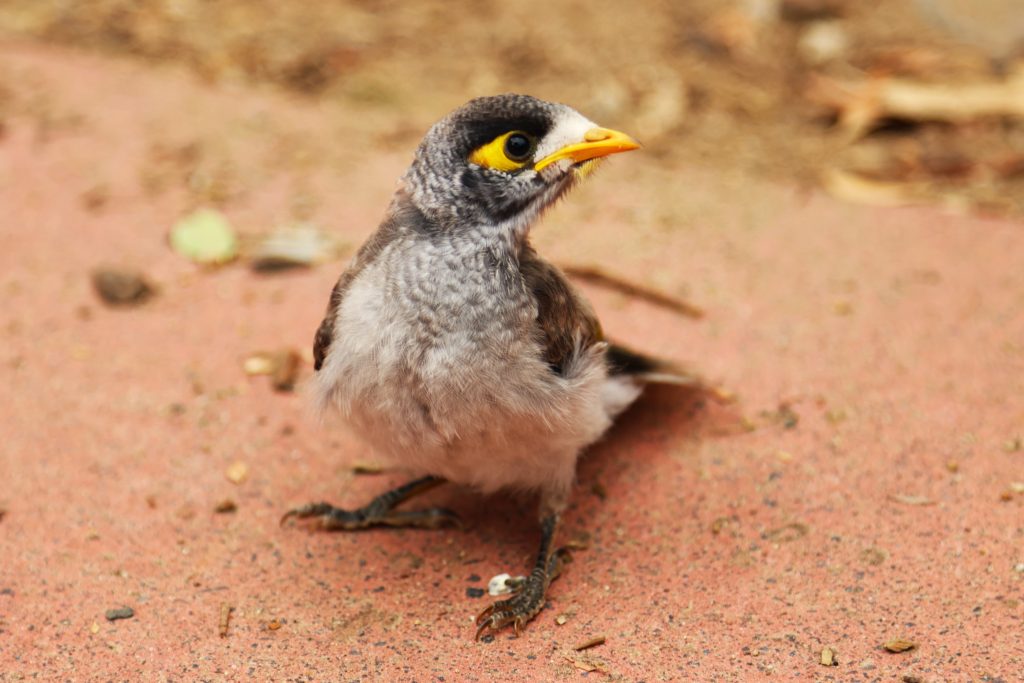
(628, 363)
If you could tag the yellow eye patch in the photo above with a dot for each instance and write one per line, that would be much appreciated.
(508, 152)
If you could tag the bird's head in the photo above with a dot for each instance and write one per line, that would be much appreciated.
(502, 160)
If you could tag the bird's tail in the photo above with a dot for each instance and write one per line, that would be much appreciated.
(647, 369)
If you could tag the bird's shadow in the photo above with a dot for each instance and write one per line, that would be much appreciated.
(663, 419)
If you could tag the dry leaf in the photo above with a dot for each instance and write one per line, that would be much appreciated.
(860, 105)
(286, 370)
(898, 645)
(585, 663)
(225, 619)
(291, 247)
(855, 188)
(361, 467)
(282, 366)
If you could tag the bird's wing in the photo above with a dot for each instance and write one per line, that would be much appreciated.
(402, 215)
(566, 322)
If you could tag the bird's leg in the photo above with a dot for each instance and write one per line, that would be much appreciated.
(380, 511)
(530, 594)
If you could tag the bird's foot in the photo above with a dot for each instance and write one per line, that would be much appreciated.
(380, 511)
(337, 519)
(527, 601)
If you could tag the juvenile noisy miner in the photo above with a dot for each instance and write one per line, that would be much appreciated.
(458, 352)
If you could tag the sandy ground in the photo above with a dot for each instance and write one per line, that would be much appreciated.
(860, 489)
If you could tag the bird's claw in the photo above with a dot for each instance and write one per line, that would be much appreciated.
(336, 519)
(305, 512)
(524, 605)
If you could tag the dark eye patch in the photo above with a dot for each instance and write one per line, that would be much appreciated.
(483, 131)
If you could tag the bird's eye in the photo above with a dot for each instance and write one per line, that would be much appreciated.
(518, 147)
(507, 153)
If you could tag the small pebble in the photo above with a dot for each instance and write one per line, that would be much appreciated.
(489, 638)
(497, 586)
(121, 287)
(473, 578)
(475, 592)
(120, 613)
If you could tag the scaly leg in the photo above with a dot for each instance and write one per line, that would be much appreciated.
(529, 598)
(380, 511)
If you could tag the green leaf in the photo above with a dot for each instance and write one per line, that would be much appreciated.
(205, 236)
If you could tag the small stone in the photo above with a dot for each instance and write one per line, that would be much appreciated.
(258, 364)
(472, 592)
(237, 472)
(499, 585)
(287, 365)
(121, 286)
(561, 619)
(828, 657)
(225, 506)
(119, 613)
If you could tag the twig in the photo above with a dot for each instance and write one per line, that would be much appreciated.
(225, 618)
(595, 275)
(593, 642)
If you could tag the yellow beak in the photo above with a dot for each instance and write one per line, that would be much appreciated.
(598, 142)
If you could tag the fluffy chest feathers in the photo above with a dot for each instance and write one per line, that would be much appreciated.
(439, 356)
(439, 315)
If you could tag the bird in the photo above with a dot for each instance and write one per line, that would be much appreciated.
(458, 352)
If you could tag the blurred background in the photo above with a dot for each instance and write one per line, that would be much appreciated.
(879, 101)
(866, 362)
